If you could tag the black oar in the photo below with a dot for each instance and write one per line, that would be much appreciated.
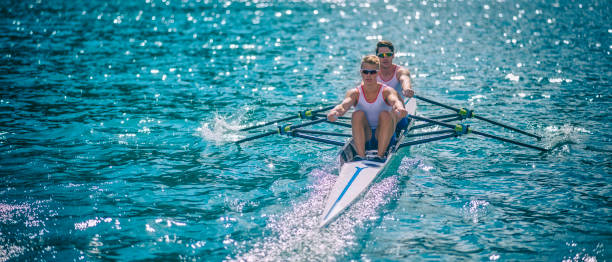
(427, 140)
(317, 132)
(302, 114)
(459, 128)
(281, 130)
(467, 113)
(339, 117)
(318, 139)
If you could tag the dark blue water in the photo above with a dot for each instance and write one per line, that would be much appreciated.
(117, 120)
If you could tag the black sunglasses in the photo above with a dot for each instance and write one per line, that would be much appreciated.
(369, 72)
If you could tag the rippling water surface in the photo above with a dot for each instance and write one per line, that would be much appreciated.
(117, 120)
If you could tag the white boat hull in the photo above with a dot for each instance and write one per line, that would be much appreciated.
(356, 176)
(354, 179)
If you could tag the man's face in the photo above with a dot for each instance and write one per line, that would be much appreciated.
(385, 56)
(368, 73)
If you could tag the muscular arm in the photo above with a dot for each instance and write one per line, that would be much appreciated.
(349, 100)
(403, 76)
(392, 98)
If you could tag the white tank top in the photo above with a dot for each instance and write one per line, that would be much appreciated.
(372, 108)
(393, 82)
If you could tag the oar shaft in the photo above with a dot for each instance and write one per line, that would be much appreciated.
(317, 132)
(339, 117)
(318, 139)
(451, 119)
(269, 123)
(478, 133)
(308, 123)
(427, 140)
(422, 126)
(430, 133)
(256, 136)
(436, 103)
(286, 119)
(431, 121)
(507, 126)
(338, 123)
(289, 128)
(431, 124)
(509, 140)
(478, 117)
(444, 116)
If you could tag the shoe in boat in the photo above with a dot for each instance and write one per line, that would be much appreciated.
(379, 159)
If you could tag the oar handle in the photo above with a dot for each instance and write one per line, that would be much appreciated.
(309, 123)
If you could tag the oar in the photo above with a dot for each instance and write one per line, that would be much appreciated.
(459, 128)
(306, 113)
(317, 132)
(468, 113)
(339, 117)
(281, 130)
(318, 139)
(427, 140)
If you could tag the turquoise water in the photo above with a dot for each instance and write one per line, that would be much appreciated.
(117, 120)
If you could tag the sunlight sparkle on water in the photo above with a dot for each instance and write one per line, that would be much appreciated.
(297, 231)
(512, 77)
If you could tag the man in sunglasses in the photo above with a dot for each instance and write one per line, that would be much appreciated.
(393, 75)
(377, 110)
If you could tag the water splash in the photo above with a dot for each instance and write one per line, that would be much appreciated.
(563, 136)
(296, 235)
(222, 129)
(475, 210)
(408, 165)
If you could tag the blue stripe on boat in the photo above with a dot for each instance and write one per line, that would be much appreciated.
(345, 189)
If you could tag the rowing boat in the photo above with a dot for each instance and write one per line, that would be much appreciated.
(356, 176)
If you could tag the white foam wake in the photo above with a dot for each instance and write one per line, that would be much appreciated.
(295, 235)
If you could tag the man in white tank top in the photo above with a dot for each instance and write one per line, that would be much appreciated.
(393, 75)
(377, 110)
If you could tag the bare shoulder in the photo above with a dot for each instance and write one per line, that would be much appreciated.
(388, 90)
(403, 71)
(352, 94)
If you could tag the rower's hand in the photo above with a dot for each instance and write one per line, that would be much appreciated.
(408, 92)
(332, 116)
(401, 112)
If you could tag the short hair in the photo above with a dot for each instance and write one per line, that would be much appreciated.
(372, 60)
(384, 43)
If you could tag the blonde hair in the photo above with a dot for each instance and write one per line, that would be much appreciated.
(372, 60)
